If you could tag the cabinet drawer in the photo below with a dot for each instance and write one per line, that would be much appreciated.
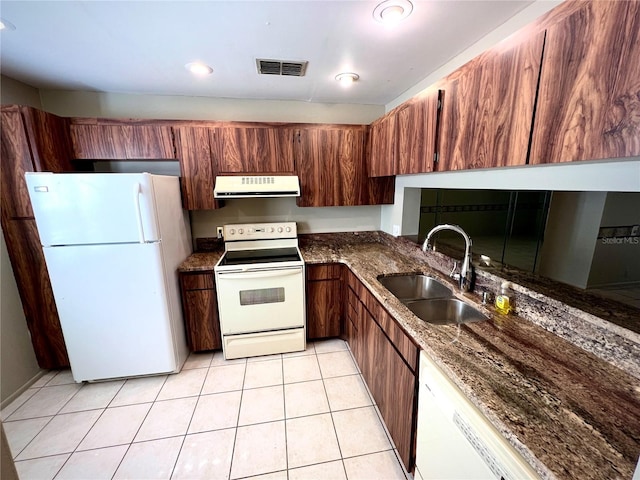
(200, 281)
(323, 272)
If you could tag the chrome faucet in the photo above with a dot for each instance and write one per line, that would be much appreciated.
(465, 276)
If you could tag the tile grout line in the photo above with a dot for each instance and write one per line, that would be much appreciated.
(53, 417)
(138, 430)
(184, 437)
(335, 431)
(235, 433)
(284, 412)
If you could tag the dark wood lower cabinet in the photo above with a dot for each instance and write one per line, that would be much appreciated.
(324, 305)
(387, 359)
(38, 303)
(200, 309)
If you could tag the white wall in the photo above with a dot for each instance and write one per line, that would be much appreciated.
(12, 91)
(309, 220)
(18, 363)
(617, 263)
(118, 105)
(571, 235)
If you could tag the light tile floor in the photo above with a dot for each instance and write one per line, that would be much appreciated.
(306, 415)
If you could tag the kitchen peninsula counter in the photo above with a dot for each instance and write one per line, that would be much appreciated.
(569, 412)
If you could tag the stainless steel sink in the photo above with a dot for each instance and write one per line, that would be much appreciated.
(445, 311)
(415, 287)
(430, 300)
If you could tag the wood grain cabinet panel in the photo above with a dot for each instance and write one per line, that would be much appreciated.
(253, 149)
(324, 306)
(589, 99)
(16, 160)
(488, 107)
(196, 167)
(32, 140)
(391, 380)
(416, 128)
(382, 148)
(331, 164)
(200, 309)
(121, 142)
(34, 286)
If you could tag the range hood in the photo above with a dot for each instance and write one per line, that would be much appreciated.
(256, 186)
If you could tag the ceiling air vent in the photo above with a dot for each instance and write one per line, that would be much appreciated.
(281, 67)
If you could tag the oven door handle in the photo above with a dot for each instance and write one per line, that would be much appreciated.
(249, 274)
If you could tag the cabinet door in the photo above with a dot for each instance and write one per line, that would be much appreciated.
(382, 153)
(392, 385)
(121, 142)
(253, 149)
(49, 139)
(324, 292)
(16, 160)
(488, 108)
(38, 303)
(331, 164)
(589, 100)
(200, 308)
(193, 151)
(416, 127)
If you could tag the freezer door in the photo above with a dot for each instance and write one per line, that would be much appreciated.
(93, 208)
(114, 313)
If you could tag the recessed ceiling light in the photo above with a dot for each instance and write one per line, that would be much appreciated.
(6, 25)
(199, 68)
(347, 78)
(391, 12)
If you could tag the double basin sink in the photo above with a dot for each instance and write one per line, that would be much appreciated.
(430, 300)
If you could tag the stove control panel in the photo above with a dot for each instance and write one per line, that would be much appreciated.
(259, 231)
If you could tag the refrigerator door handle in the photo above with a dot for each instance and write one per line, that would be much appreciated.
(136, 200)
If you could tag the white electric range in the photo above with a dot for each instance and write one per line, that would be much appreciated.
(260, 281)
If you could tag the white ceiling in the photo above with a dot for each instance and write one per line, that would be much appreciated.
(142, 46)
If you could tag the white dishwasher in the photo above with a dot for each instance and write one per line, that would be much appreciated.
(454, 440)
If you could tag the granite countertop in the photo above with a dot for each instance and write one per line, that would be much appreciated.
(570, 412)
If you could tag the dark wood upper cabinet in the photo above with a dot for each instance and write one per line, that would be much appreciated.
(252, 149)
(16, 160)
(416, 127)
(488, 107)
(331, 164)
(589, 98)
(196, 166)
(104, 141)
(404, 140)
(382, 148)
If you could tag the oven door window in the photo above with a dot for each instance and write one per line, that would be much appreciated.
(262, 296)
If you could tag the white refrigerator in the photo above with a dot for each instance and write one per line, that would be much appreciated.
(112, 243)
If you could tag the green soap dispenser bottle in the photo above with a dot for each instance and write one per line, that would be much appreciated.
(504, 301)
